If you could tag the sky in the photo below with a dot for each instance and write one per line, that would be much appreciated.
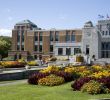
(47, 14)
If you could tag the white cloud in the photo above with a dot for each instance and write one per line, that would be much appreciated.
(5, 32)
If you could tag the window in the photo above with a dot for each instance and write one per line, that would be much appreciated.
(106, 32)
(22, 36)
(35, 48)
(51, 48)
(56, 36)
(36, 36)
(35, 56)
(102, 32)
(72, 37)
(40, 48)
(67, 36)
(18, 47)
(77, 50)
(40, 36)
(18, 36)
(22, 47)
(51, 36)
(87, 49)
(60, 51)
(68, 51)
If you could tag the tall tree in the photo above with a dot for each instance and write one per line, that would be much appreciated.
(5, 45)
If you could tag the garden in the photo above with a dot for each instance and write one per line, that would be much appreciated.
(56, 82)
(90, 79)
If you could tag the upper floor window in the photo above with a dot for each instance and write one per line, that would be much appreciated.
(103, 32)
(73, 36)
(40, 36)
(51, 36)
(56, 36)
(106, 32)
(36, 37)
(35, 48)
(67, 36)
(40, 48)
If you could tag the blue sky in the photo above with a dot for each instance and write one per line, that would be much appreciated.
(59, 14)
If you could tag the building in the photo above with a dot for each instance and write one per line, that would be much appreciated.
(29, 40)
(96, 39)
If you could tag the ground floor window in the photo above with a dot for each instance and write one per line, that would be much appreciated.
(68, 51)
(77, 50)
(60, 51)
(35, 56)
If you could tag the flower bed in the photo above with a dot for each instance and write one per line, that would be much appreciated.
(84, 78)
(12, 64)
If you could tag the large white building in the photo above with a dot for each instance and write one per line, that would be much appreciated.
(96, 39)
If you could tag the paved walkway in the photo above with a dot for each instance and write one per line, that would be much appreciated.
(5, 83)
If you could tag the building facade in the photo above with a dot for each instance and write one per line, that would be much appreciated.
(29, 40)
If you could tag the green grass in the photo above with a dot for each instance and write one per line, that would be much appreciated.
(36, 92)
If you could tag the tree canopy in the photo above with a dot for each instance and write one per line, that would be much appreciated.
(5, 45)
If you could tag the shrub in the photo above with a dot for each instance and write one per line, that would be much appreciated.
(12, 64)
(22, 60)
(32, 63)
(49, 69)
(53, 59)
(101, 74)
(33, 79)
(105, 81)
(51, 80)
(67, 76)
(77, 84)
(94, 87)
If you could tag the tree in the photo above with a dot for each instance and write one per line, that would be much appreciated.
(5, 45)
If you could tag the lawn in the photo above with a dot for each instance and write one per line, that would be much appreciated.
(36, 92)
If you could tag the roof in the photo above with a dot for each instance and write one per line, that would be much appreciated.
(26, 22)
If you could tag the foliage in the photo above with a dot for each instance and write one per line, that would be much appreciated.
(33, 79)
(105, 81)
(5, 45)
(12, 64)
(67, 76)
(8, 58)
(94, 87)
(51, 80)
(51, 68)
(22, 60)
(53, 59)
(32, 63)
(101, 74)
(77, 84)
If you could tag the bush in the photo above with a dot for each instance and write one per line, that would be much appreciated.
(32, 63)
(12, 64)
(22, 60)
(67, 76)
(53, 59)
(94, 87)
(105, 81)
(77, 84)
(49, 69)
(33, 79)
(51, 80)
